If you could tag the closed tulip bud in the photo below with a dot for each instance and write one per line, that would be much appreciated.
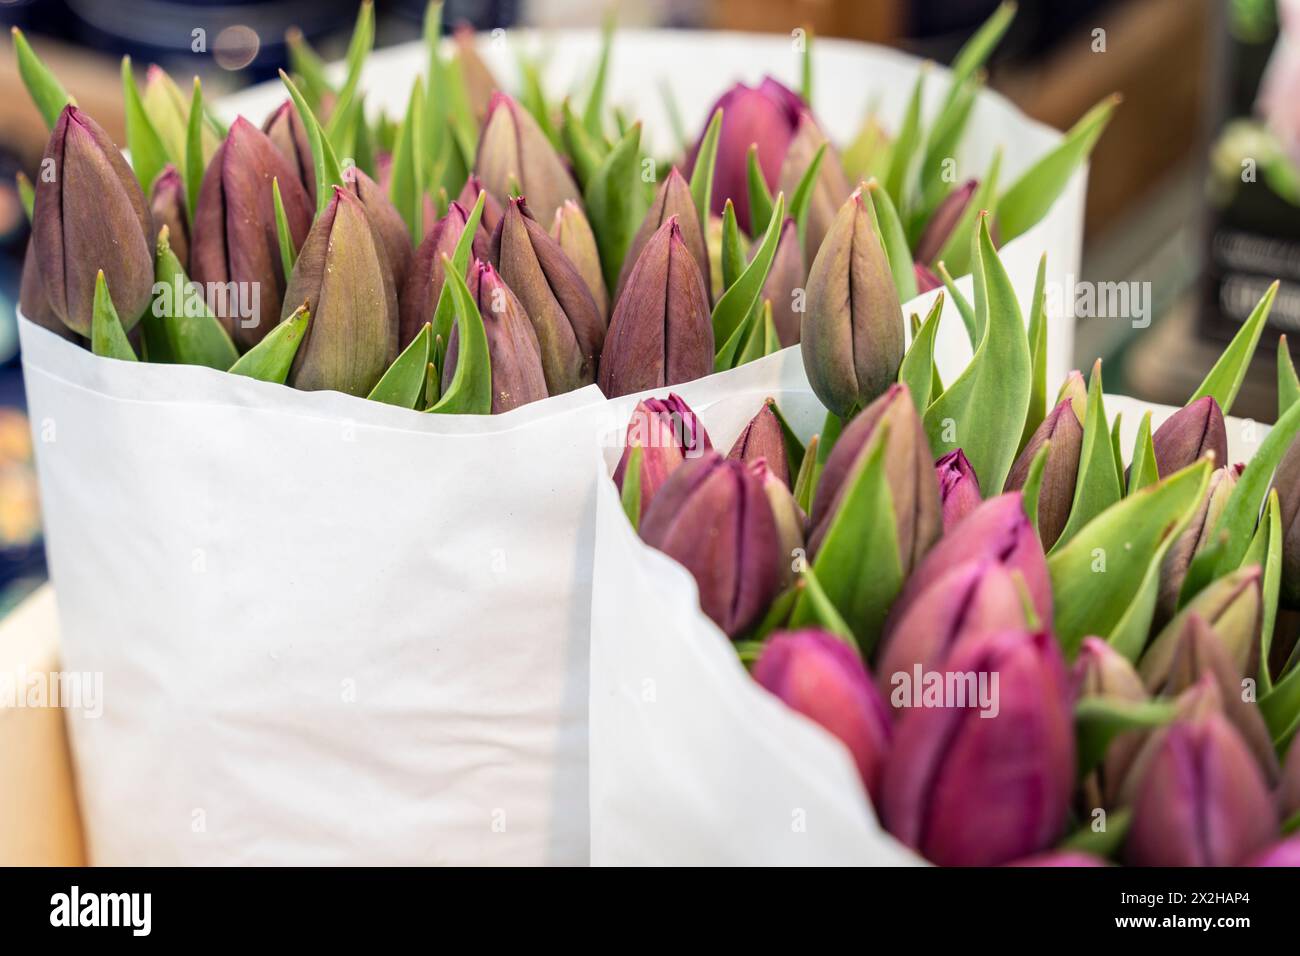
(1288, 792)
(386, 220)
(517, 377)
(167, 206)
(830, 188)
(966, 786)
(712, 516)
(668, 433)
(784, 285)
(343, 276)
(661, 332)
(480, 84)
(1189, 434)
(820, 676)
(959, 488)
(1198, 534)
(1101, 671)
(90, 214)
(1287, 482)
(673, 198)
(909, 472)
(1076, 390)
(512, 149)
(234, 239)
(31, 298)
(573, 233)
(852, 337)
(1282, 853)
(425, 275)
(926, 280)
(1060, 472)
(569, 326)
(943, 221)
(767, 116)
(286, 131)
(1232, 606)
(169, 112)
(1061, 858)
(492, 208)
(791, 522)
(1199, 797)
(763, 437)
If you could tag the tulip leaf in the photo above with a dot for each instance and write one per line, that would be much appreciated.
(533, 98)
(107, 337)
(592, 115)
(307, 64)
(733, 252)
(801, 200)
(1116, 454)
(1142, 471)
(1097, 485)
(794, 448)
(444, 312)
(1037, 334)
(917, 370)
(983, 411)
(271, 359)
(1280, 707)
(328, 172)
(893, 240)
(1096, 576)
(761, 336)
(1288, 385)
(805, 72)
(858, 563)
(905, 145)
(1099, 720)
(1031, 491)
(956, 251)
(1104, 843)
(1029, 198)
(1129, 635)
(702, 176)
(735, 305)
(805, 478)
(1266, 551)
(188, 332)
(813, 608)
(964, 308)
(631, 491)
(432, 386)
(46, 91)
(760, 197)
(363, 40)
(283, 234)
(974, 53)
(194, 161)
(470, 390)
(615, 203)
(1224, 380)
(581, 149)
(731, 353)
(403, 384)
(942, 144)
(776, 619)
(26, 193)
(148, 154)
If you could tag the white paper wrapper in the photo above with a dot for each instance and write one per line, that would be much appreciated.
(330, 631)
(692, 763)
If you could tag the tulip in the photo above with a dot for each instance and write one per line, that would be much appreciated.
(852, 337)
(1061, 858)
(1060, 471)
(1288, 792)
(943, 221)
(971, 790)
(959, 488)
(1189, 434)
(1076, 390)
(668, 433)
(517, 377)
(386, 219)
(661, 332)
(712, 516)
(90, 214)
(234, 237)
(926, 280)
(909, 472)
(492, 209)
(425, 276)
(1287, 482)
(169, 111)
(785, 281)
(1200, 798)
(767, 116)
(672, 199)
(572, 232)
(480, 84)
(1198, 534)
(830, 189)
(1232, 606)
(1101, 671)
(791, 522)
(167, 206)
(763, 437)
(31, 298)
(820, 676)
(512, 149)
(1282, 853)
(342, 275)
(285, 129)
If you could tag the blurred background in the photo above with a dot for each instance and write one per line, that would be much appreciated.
(1207, 105)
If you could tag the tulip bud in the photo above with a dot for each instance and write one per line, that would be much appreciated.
(852, 336)
(943, 221)
(167, 206)
(712, 516)
(31, 298)
(572, 232)
(668, 433)
(569, 327)
(829, 190)
(967, 788)
(1101, 671)
(822, 677)
(513, 149)
(425, 276)
(791, 522)
(1060, 472)
(492, 209)
(386, 219)
(1282, 853)
(285, 130)
(90, 214)
(1076, 390)
(342, 275)
(661, 332)
(909, 472)
(959, 488)
(1189, 434)
(1288, 791)
(785, 281)
(168, 110)
(1198, 534)
(234, 239)
(672, 199)
(1287, 482)
(763, 437)
(926, 281)
(480, 84)
(1061, 858)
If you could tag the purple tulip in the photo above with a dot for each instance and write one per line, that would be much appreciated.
(386, 220)
(31, 298)
(1060, 471)
(285, 130)
(959, 488)
(1282, 853)
(673, 198)
(668, 433)
(763, 437)
(791, 522)
(1287, 482)
(785, 281)
(480, 84)
(1288, 791)
(829, 190)
(572, 232)
(1076, 390)
(492, 208)
(926, 280)
(167, 206)
(513, 152)
(1101, 671)
(425, 275)
(1189, 434)
(943, 221)
(822, 677)
(1197, 536)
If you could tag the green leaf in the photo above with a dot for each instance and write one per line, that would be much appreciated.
(326, 163)
(194, 162)
(271, 359)
(445, 310)
(814, 608)
(1130, 633)
(964, 308)
(307, 64)
(591, 117)
(733, 251)
(432, 385)
(1224, 380)
(46, 91)
(805, 480)
(1116, 454)
(1266, 551)
(616, 204)
(1280, 707)
(27, 193)
(107, 337)
(631, 493)
(406, 189)
(802, 198)
(1037, 335)
(674, 116)
(403, 384)
(533, 97)
(1097, 486)
(757, 340)
(585, 153)
(1104, 843)
(894, 241)
(905, 145)
(942, 144)
(283, 234)
(1288, 385)
(805, 72)
(1029, 198)
(342, 117)
(1099, 720)
(1032, 489)
(189, 334)
(956, 251)
(986, 404)
(148, 154)
(470, 390)
(734, 305)
(1099, 573)
(777, 617)
(1142, 471)
(702, 176)
(760, 197)
(975, 52)
(917, 370)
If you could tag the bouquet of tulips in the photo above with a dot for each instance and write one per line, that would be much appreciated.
(1031, 652)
